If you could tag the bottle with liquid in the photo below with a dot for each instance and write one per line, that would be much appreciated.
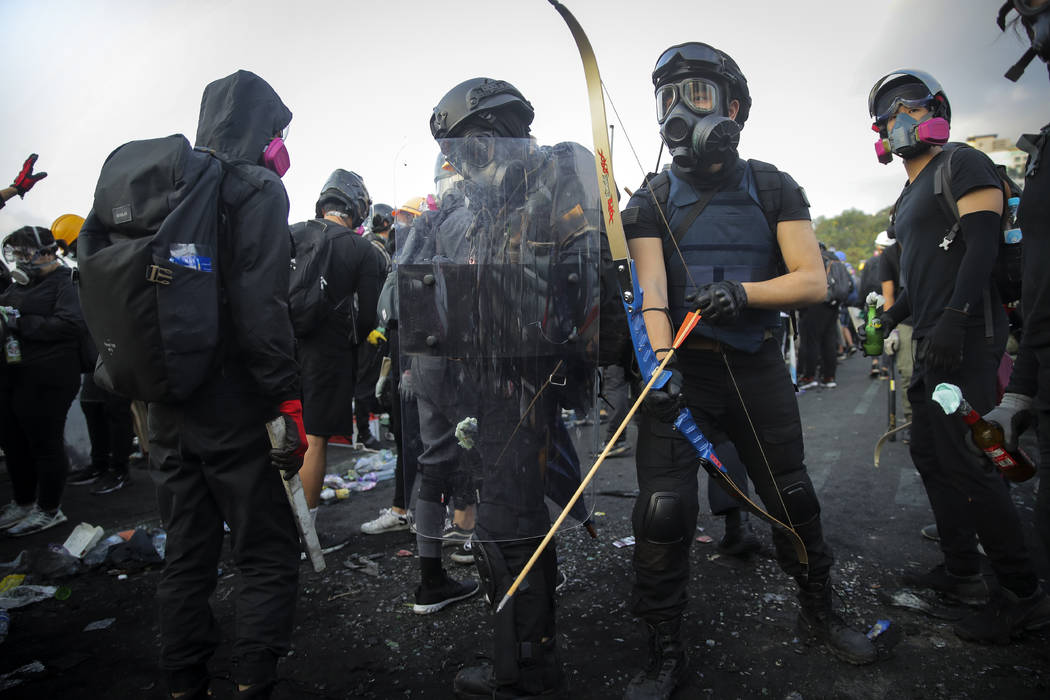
(12, 350)
(1012, 234)
(1014, 465)
(872, 327)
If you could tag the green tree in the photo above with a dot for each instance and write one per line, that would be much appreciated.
(852, 231)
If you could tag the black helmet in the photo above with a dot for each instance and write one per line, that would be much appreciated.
(348, 189)
(697, 59)
(382, 217)
(488, 100)
(906, 86)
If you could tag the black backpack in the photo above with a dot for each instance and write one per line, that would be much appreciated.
(1009, 264)
(148, 268)
(840, 282)
(308, 299)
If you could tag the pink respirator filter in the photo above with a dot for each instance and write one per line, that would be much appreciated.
(275, 157)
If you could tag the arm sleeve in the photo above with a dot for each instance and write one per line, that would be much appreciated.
(256, 285)
(370, 281)
(1025, 376)
(981, 231)
(65, 321)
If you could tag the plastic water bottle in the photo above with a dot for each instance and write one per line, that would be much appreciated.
(872, 328)
(1013, 233)
(12, 350)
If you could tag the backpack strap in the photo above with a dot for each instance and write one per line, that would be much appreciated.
(942, 191)
(769, 185)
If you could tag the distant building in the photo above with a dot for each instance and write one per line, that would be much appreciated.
(1002, 152)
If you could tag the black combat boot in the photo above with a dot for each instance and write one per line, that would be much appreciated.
(668, 663)
(739, 539)
(539, 675)
(817, 621)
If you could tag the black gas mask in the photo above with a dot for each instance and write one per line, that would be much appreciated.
(29, 252)
(693, 126)
(1036, 21)
(494, 168)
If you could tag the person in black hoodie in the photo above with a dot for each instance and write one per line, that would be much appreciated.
(42, 325)
(210, 456)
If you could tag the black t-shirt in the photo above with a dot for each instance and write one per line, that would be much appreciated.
(1034, 219)
(927, 270)
(649, 224)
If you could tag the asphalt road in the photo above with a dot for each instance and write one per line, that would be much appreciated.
(357, 637)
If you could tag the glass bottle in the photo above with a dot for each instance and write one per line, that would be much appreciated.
(1014, 465)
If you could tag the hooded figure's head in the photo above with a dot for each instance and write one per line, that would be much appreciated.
(240, 116)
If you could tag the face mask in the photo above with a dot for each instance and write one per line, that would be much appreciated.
(275, 157)
(911, 138)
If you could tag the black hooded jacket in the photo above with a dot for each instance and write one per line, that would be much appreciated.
(239, 115)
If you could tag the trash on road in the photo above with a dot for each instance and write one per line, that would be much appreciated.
(102, 624)
(82, 539)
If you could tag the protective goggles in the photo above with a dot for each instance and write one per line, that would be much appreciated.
(909, 95)
(23, 254)
(697, 94)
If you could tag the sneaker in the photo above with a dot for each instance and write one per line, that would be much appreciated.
(454, 536)
(84, 475)
(110, 483)
(430, 599)
(36, 521)
(621, 448)
(930, 532)
(388, 521)
(829, 383)
(807, 382)
(970, 590)
(12, 513)
(874, 374)
(370, 444)
(1005, 616)
(463, 555)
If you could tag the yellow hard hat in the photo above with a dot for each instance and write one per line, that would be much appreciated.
(413, 206)
(66, 228)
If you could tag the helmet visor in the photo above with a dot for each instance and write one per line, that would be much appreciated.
(693, 52)
(697, 94)
(905, 95)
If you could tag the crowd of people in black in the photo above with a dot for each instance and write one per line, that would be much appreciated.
(488, 319)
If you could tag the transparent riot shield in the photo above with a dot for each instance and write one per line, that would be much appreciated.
(498, 326)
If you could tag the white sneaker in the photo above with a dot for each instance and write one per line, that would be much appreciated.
(36, 521)
(388, 521)
(12, 513)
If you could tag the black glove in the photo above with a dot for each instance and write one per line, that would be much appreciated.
(25, 179)
(288, 438)
(665, 404)
(720, 302)
(943, 347)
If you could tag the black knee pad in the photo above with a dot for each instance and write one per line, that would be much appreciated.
(799, 498)
(663, 519)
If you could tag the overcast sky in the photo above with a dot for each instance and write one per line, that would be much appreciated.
(362, 78)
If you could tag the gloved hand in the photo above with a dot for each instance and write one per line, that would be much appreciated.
(893, 343)
(943, 347)
(25, 179)
(887, 323)
(288, 438)
(665, 404)
(720, 302)
(11, 316)
(385, 386)
(377, 336)
(1014, 414)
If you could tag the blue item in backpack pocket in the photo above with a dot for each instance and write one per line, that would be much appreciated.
(190, 255)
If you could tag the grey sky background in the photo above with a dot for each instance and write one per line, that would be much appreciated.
(361, 79)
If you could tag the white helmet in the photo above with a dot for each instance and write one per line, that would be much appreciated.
(883, 240)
